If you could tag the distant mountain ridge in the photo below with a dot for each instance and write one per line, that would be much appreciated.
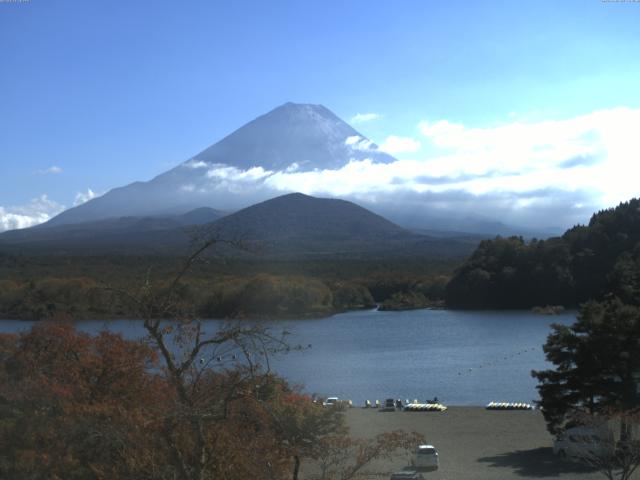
(108, 233)
(288, 225)
(296, 215)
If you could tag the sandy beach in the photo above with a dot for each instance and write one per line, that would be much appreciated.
(474, 443)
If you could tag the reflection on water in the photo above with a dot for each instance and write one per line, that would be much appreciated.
(462, 357)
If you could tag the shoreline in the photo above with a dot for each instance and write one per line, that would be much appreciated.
(310, 315)
(415, 355)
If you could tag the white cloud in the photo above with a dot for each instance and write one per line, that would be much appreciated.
(221, 178)
(547, 171)
(83, 197)
(365, 117)
(588, 158)
(195, 164)
(226, 172)
(359, 143)
(53, 170)
(355, 177)
(597, 151)
(394, 145)
(292, 168)
(37, 211)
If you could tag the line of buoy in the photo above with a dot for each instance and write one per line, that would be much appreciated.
(506, 357)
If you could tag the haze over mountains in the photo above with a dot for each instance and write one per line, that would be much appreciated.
(248, 166)
(301, 225)
(290, 225)
(111, 234)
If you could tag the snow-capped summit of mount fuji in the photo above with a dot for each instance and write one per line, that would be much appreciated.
(293, 136)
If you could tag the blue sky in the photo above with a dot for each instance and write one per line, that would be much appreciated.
(95, 95)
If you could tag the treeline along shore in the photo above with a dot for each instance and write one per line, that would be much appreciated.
(586, 262)
(43, 287)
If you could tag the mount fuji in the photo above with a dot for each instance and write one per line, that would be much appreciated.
(292, 137)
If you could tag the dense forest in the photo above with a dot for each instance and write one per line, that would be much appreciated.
(587, 262)
(84, 287)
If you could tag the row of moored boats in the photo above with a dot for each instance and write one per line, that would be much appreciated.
(425, 407)
(509, 406)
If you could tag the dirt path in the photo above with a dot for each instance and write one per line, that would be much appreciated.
(475, 443)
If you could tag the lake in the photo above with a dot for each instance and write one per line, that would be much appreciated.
(462, 357)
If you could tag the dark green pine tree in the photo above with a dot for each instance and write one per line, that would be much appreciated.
(597, 364)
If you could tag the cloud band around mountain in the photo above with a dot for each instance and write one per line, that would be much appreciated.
(526, 173)
(560, 166)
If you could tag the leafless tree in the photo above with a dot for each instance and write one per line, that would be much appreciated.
(614, 447)
(345, 458)
(189, 352)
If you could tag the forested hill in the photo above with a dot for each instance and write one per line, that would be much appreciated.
(587, 262)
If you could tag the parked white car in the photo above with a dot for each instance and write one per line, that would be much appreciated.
(425, 458)
(330, 402)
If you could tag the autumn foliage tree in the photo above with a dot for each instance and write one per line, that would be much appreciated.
(77, 406)
(301, 425)
(74, 405)
(225, 418)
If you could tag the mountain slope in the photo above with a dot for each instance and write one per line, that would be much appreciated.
(300, 225)
(300, 216)
(293, 225)
(297, 137)
(110, 234)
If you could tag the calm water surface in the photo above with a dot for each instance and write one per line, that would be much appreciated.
(463, 358)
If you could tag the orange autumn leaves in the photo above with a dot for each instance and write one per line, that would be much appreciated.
(76, 406)
(79, 406)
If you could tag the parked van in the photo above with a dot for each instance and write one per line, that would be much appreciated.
(425, 458)
(389, 405)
